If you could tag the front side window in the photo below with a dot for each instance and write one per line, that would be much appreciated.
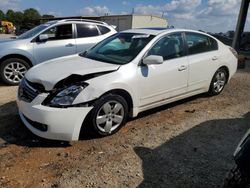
(198, 43)
(120, 48)
(60, 32)
(34, 31)
(169, 47)
(86, 30)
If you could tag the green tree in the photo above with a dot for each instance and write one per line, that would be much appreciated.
(2, 15)
(31, 18)
(10, 15)
(18, 19)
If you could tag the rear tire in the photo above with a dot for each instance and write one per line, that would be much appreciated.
(109, 114)
(218, 82)
(13, 70)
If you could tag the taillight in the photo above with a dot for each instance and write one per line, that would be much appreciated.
(234, 52)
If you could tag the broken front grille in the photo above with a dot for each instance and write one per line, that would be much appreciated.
(28, 91)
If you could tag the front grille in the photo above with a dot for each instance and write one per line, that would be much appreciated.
(28, 91)
(36, 125)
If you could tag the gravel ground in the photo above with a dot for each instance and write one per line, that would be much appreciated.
(184, 144)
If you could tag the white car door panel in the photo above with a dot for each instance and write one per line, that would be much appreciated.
(203, 60)
(164, 81)
(60, 43)
(201, 69)
(53, 49)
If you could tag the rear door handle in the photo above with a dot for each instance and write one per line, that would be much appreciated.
(70, 45)
(182, 68)
(214, 58)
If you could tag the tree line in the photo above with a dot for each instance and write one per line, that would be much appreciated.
(26, 19)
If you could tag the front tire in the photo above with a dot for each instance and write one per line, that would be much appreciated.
(13, 70)
(109, 114)
(218, 82)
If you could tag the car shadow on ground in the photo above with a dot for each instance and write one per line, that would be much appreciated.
(13, 131)
(200, 157)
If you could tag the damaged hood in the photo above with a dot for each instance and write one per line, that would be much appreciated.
(53, 71)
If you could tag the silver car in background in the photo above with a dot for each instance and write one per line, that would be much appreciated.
(48, 41)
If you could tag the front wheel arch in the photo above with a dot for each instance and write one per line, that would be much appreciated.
(89, 126)
(17, 56)
(126, 95)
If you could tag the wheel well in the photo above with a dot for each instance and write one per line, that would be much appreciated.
(226, 69)
(126, 96)
(16, 56)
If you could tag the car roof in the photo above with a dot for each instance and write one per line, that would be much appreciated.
(78, 21)
(158, 30)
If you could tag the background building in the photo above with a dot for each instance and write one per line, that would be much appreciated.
(124, 22)
(130, 21)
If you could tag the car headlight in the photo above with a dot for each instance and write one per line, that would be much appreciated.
(67, 96)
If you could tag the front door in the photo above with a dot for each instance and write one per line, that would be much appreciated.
(60, 43)
(164, 81)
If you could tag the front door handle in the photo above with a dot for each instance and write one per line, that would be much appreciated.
(70, 45)
(214, 58)
(182, 68)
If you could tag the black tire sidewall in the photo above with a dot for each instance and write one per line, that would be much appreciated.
(99, 103)
(211, 88)
(8, 61)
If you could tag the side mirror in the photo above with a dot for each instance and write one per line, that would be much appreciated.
(153, 59)
(43, 37)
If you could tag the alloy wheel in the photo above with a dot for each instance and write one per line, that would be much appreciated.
(219, 82)
(110, 116)
(14, 72)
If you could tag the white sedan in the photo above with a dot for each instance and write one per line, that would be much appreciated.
(127, 73)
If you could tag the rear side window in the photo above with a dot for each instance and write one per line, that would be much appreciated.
(198, 43)
(103, 29)
(86, 30)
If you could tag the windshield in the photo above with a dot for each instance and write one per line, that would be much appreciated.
(120, 48)
(33, 31)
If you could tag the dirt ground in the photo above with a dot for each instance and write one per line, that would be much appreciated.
(184, 144)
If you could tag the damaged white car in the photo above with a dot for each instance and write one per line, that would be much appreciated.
(127, 73)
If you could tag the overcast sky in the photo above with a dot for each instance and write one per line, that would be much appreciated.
(207, 15)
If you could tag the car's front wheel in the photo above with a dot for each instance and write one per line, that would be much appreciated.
(109, 114)
(13, 70)
(218, 82)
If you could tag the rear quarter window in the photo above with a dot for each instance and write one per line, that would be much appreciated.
(103, 29)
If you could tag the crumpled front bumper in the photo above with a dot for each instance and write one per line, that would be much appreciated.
(62, 123)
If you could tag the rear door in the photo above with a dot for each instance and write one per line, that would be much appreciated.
(60, 43)
(87, 36)
(203, 60)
